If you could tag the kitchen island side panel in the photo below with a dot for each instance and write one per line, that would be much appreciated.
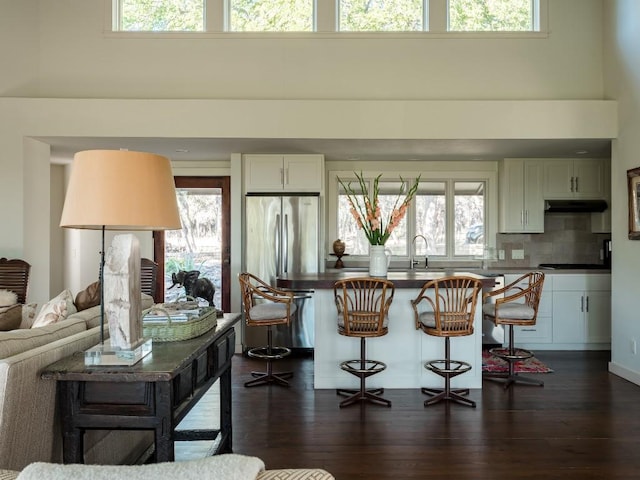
(404, 349)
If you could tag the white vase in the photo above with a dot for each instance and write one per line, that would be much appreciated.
(379, 259)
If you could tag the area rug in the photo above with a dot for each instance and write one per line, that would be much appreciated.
(493, 364)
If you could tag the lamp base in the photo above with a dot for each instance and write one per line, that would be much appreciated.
(104, 354)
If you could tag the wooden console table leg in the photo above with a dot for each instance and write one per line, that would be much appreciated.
(164, 451)
(72, 437)
(225, 411)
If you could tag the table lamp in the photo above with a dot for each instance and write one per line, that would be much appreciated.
(121, 190)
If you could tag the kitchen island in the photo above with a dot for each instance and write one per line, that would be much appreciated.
(404, 349)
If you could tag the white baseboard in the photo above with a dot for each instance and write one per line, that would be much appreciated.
(630, 375)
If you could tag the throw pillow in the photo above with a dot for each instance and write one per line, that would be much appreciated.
(10, 317)
(28, 314)
(89, 297)
(8, 298)
(55, 310)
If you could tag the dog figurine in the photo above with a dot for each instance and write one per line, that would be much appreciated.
(194, 286)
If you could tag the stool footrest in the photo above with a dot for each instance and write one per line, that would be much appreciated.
(269, 353)
(448, 367)
(515, 355)
(363, 368)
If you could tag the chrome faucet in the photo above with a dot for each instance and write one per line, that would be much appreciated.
(412, 262)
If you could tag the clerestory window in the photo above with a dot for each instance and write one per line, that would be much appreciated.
(159, 15)
(492, 15)
(271, 15)
(370, 16)
(381, 15)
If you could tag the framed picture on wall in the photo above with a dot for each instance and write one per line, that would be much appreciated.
(633, 177)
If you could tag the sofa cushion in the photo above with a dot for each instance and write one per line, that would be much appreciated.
(296, 474)
(8, 474)
(89, 297)
(18, 341)
(229, 466)
(92, 315)
(56, 309)
(28, 314)
(10, 317)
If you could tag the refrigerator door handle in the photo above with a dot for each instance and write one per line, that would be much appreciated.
(285, 247)
(277, 243)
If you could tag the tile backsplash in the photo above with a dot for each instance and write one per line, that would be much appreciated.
(567, 238)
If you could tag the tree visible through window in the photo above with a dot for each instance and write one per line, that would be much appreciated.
(491, 15)
(450, 214)
(161, 15)
(271, 15)
(381, 15)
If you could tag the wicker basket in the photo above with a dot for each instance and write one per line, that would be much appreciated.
(175, 331)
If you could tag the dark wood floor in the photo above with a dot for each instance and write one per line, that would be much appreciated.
(583, 424)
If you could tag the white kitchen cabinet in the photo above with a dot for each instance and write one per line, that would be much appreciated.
(582, 310)
(541, 332)
(567, 178)
(283, 173)
(521, 207)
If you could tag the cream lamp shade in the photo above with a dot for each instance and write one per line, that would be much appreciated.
(120, 190)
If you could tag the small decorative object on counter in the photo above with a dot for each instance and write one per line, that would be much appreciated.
(338, 251)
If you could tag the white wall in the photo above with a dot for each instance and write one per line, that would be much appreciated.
(622, 68)
(76, 59)
(275, 84)
(19, 42)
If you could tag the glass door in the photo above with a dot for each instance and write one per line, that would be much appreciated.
(203, 242)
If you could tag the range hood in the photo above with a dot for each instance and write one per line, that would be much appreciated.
(553, 206)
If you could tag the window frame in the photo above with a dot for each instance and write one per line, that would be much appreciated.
(481, 171)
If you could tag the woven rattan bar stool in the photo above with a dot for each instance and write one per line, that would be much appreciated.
(363, 308)
(265, 306)
(515, 304)
(445, 308)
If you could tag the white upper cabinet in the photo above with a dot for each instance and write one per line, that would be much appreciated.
(521, 202)
(574, 178)
(283, 173)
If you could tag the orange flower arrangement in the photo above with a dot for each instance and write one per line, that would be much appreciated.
(366, 211)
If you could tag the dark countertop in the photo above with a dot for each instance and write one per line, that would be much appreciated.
(407, 279)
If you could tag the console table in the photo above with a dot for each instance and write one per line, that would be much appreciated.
(154, 394)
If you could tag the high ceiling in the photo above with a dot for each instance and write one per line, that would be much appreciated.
(217, 149)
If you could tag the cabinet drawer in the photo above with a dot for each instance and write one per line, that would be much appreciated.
(538, 333)
(591, 281)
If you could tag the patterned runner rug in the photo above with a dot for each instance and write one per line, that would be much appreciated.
(492, 364)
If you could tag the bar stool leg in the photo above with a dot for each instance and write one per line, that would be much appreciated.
(363, 368)
(512, 355)
(269, 353)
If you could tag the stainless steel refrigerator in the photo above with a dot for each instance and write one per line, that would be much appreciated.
(281, 236)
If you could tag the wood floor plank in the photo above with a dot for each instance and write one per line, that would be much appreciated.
(583, 424)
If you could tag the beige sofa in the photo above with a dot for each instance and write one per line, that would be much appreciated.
(221, 467)
(29, 424)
